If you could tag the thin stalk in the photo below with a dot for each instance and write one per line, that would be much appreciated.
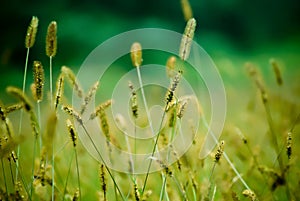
(67, 178)
(161, 197)
(144, 99)
(23, 180)
(273, 135)
(214, 193)
(150, 124)
(152, 154)
(4, 177)
(225, 156)
(103, 161)
(40, 122)
(32, 170)
(77, 168)
(51, 92)
(53, 170)
(11, 173)
(21, 113)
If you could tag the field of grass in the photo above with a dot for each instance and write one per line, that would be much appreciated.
(50, 151)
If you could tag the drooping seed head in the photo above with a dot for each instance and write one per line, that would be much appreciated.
(51, 39)
(31, 32)
(69, 110)
(21, 96)
(69, 74)
(136, 54)
(187, 38)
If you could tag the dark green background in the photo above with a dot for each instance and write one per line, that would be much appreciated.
(233, 30)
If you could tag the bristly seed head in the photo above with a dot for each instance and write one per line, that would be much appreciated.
(72, 132)
(89, 96)
(69, 74)
(31, 32)
(39, 79)
(51, 39)
(21, 96)
(69, 110)
(187, 38)
(59, 90)
(172, 88)
(133, 100)
(249, 194)
(289, 145)
(136, 54)
(220, 151)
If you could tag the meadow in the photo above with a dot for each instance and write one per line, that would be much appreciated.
(50, 150)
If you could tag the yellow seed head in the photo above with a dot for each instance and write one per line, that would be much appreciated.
(186, 9)
(187, 38)
(249, 194)
(69, 74)
(89, 96)
(51, 39)
(170, 66)
(31, 32)
(21, 96)
(39, 79)
(276, 70)
(136, 54)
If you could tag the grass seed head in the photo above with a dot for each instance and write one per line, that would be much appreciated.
(51, 39)
(220, 151)
(69, 74)
(136, 54)
(89, 96)
(249, 194)
(59, 90)
(103, 180)
(276, 70)
(186, 9)
(170, 66)
(39, 79)
(187, 38)
(31, 32)
(289, 145)
(72, 132)
(99, 109)
(69, 110)
(21, 96)
(133, 101)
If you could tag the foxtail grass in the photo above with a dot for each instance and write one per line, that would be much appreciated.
(69, 110)
(51, 48)
(29, 42)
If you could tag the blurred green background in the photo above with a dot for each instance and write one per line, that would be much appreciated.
(231, 31)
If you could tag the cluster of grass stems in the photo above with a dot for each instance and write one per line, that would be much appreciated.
(44, 174)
